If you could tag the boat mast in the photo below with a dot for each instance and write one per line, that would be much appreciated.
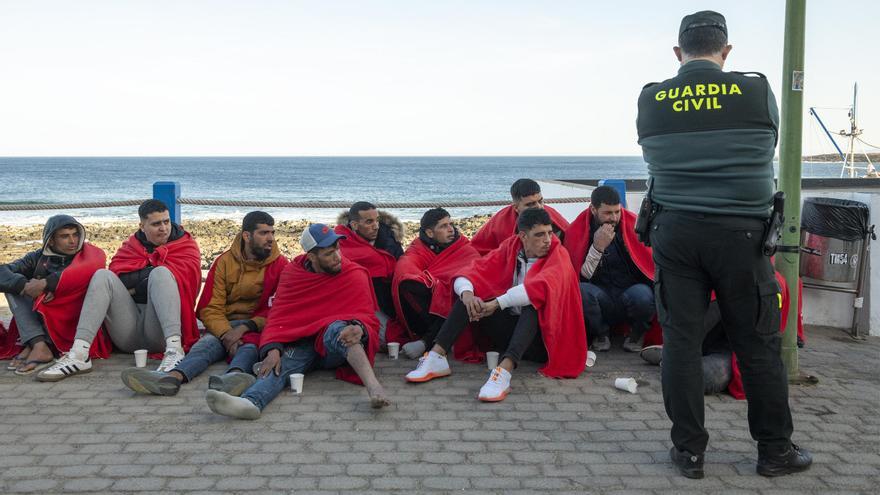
(849, 162)
(790, 146)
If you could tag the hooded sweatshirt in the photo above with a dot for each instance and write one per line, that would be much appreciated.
(42, 263)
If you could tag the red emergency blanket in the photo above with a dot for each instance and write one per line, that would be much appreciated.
(307, 302)
(503, 225)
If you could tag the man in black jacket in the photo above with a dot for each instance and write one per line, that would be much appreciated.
(37, 273)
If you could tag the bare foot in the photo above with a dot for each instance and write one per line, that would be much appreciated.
(41, 352)
(19, 360)
(378, 399)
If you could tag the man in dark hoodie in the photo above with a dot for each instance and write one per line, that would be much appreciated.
(146, 298)
(422, 285)
(38, 273)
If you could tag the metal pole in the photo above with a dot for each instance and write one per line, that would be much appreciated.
(788, 261)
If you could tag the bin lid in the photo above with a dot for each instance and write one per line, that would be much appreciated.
(838, 218)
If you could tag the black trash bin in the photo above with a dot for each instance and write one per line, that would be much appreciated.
(832, 234)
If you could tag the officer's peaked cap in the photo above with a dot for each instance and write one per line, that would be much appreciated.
(703, 18)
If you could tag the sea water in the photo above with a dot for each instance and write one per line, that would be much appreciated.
(347, 179)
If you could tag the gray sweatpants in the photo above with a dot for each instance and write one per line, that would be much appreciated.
(29, 322)
(131, 326)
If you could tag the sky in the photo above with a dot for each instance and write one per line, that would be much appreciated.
(386, 78)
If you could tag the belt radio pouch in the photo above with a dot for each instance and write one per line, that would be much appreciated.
(646, 213)
(774, 226)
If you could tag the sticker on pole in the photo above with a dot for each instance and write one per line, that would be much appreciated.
(797, 80)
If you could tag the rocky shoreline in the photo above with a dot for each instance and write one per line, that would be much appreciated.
(213, 236)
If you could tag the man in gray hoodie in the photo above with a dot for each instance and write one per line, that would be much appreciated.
(35, 274)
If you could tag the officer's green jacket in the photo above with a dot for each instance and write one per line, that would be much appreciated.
(709, 138)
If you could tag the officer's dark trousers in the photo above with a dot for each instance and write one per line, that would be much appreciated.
(696, 254)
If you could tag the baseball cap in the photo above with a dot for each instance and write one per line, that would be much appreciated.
(318, 235)
(703, 18)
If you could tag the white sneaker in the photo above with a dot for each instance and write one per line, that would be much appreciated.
(170, 360)
(234, 407)
(68, 365)
(431, 365)
(496, 387)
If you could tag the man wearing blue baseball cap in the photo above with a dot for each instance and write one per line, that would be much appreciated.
(323, 317)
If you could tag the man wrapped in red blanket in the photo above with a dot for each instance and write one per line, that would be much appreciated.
(422, 286)
(617, 273)
(524, 194)
(45, 290)
(371, 238)
(323, 317)
(145, 300)
(525, 296)
(233, 306)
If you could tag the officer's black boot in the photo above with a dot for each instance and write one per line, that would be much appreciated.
(779, 462)
(688, 464)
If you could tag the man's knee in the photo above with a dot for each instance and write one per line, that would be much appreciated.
(332, 344)
(590, 294)
(159, 274)
(103, 277)
(639, 300)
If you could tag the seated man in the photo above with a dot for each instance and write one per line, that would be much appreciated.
(717, 362)
(525, 297)
(616, 270)
(371, 239)
(524, 193)
(720, 367)
(145, 300)
(233, 307)
(422, 285)
(323, 317)
(45, 290)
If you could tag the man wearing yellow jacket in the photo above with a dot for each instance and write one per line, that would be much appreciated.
(233, 307)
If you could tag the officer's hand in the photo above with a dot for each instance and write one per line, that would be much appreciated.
(33, 288)
(351, 335)
(473, 304)
(603, 237)
(271, 363)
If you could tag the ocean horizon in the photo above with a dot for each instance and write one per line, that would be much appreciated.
(48, 180)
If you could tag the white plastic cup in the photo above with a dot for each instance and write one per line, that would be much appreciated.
(492, 360)
(393, 349)
(296, 383)
(591, 359)
(626, 384)
(140, 358)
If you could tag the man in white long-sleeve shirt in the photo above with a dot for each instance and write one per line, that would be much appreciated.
(613, 288)
(510, 320)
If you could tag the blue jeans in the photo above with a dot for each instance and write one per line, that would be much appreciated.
(606, 307)
(300, 357)
(209, 349)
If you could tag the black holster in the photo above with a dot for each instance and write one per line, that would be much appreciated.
(773, 231)
(643, 221)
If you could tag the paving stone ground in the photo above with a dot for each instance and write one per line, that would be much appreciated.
(90, 434)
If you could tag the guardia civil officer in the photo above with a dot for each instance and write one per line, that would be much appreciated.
(709, 137)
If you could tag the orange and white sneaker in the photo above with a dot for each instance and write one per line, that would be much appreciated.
(431, 365)
(496, 387)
